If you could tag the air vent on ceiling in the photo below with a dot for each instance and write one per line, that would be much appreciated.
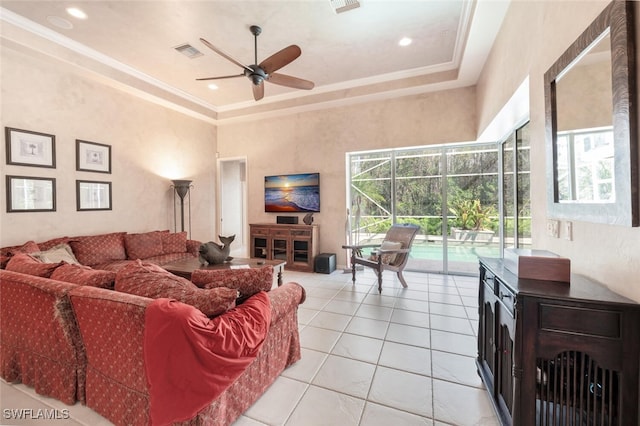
(188, 50)
(340, 6)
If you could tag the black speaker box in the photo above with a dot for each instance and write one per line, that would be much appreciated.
(325, 263)
(289, 220)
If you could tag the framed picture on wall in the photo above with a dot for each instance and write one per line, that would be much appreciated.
(27, 148)
(30, 194)
(93, 157)
(93, 195)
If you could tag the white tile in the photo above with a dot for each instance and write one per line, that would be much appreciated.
(404, 357)
(412, 305)
(378, 415)
(417, 319)
(345, 375)
(307, 367)
(312, 302)
(305, 315)
(410, 335)
(330, 320)
(382, 313)
(451, 299)
(449, 397)
(448, 310)
(367, 327)
(357, 347)
(322, 407)
(320, 339)
(246, 421)
(272, 408)
(455, 368)
(452, 324)
(377, 299)
(342, 307)
(404, 391)
(454, 342)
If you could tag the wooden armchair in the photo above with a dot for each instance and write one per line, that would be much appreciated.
(392, 254)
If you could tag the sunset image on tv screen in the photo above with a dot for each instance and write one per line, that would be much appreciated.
(292, 193)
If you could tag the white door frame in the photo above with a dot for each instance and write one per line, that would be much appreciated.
(241, 248)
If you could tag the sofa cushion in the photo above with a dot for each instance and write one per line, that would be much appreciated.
(59, 253)
(247, 281)
(148, 280)
(54, 242)
(7, 252)
(27, 264)
(96, 249)
(84, 275)
(144, 245)
(174, 242)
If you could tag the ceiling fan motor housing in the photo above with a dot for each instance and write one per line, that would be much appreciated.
(257, 76)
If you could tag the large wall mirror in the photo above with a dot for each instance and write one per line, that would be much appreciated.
(591, 124)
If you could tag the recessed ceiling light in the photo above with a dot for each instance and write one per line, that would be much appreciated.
(404, 41)
(76, 13)
(59, 22)
(213, 86)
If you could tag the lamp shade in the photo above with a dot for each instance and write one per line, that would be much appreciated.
(181, 187)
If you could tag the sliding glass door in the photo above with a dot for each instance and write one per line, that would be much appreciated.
(469, 200)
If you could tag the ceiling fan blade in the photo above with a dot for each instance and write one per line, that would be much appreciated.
(221, 77)
(279, 59)
(224, 55)
(258, 91)
(287, 80)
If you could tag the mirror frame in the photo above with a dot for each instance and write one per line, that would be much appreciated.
(618, 17)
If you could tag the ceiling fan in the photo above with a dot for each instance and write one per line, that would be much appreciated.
(266, 70)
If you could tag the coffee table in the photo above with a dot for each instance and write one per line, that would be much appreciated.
(185, 267)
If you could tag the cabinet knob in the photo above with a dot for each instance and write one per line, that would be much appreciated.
(505, 295)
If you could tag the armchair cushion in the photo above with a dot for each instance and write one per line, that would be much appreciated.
(149, 280)
(247, 281)
(386, 258)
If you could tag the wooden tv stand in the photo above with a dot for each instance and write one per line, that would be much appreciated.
(295, 244)
(553, 353)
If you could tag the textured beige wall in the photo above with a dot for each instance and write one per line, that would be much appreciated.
(318, 141)
(150, 145)
(533, 36)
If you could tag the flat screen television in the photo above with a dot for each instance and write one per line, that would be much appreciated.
(295, 193)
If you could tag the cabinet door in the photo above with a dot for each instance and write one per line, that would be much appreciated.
(260, 242)
(301, 249)
(487, 341)
(504, 349)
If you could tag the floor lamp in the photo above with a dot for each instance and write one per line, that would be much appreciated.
(181, 188)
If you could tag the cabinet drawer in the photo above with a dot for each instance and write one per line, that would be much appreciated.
(301, 233)
(280, 232)
(260, 231)
(507, 298)
(489, 280)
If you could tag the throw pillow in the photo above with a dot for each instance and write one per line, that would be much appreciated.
(144, 245)
(97, 249)
(389, 258)
(84, 275)
(56, 254)
(149, 280)
(247, 281)
(26, 264)
(54, 242)
(174, 242)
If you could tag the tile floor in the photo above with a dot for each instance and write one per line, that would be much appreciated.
(405, 357)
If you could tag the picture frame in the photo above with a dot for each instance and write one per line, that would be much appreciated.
(30, 194)
(93, 195)
(93, 157)
(28, 148)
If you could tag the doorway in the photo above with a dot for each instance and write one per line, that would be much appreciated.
(232, 202)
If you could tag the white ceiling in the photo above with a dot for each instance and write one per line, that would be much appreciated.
(351, 56)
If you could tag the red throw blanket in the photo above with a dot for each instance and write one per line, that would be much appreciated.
(191, 359)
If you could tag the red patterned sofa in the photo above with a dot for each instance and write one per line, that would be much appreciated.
(44, 340)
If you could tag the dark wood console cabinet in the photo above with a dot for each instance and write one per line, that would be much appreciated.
(295, 244)
(552, 353)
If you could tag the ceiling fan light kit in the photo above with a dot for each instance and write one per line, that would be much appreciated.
(266, 70)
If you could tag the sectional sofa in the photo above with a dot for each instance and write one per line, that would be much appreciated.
(132, 341)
